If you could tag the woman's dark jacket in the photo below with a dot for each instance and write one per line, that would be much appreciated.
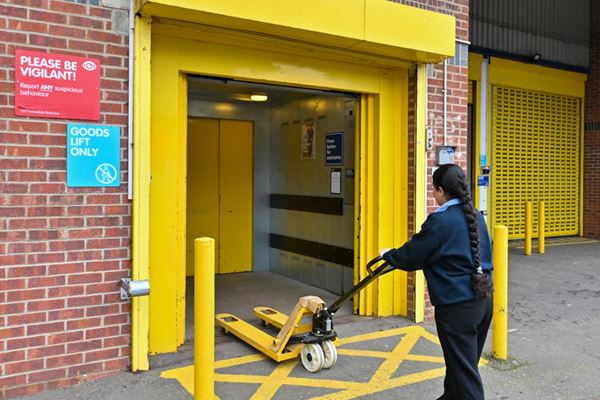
(443, 250)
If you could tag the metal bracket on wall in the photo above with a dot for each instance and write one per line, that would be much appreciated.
(131, 288)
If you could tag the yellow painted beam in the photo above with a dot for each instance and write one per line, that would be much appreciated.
(420, 194)
(374, 27)
(424, 35)
(181, 209)
(166, 257)
(141, 192)
(259, 65)
(283, 17)
(384, 188)
(368, 231)
(359, 255)
(400, 228)
(581, 163)
(528, 76)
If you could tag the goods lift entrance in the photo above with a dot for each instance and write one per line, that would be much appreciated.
(300, 216)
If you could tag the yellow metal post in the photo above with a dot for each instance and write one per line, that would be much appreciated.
(500, 319)
(541, 227)
(528, 228)
(204, 318)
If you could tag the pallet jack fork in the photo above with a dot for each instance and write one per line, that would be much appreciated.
(313, 340)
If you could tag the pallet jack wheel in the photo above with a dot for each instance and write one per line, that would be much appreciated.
(312, 357)
(330, 353)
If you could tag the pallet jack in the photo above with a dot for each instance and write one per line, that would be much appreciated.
(311, 338)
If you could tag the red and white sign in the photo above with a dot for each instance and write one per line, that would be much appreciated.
(56, 86)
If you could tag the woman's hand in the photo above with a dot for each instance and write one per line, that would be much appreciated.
(383, 251)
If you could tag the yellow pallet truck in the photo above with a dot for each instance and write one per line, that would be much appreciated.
(311, 338)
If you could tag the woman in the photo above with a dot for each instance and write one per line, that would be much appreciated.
(453, 249)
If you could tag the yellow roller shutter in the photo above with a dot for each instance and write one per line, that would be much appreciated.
(536, 140)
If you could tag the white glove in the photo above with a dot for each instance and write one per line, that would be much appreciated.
(383, 251)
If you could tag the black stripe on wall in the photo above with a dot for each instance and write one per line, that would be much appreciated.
(321, 251)
(316, 204)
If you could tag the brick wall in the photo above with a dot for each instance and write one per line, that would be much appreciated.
(62, 250)
(591, 180)
(456, 113)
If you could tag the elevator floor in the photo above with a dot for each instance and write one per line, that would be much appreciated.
(238, 294)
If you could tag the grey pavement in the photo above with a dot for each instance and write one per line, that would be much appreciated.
(554, 354)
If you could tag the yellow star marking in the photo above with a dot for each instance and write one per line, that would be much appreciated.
(380, 381)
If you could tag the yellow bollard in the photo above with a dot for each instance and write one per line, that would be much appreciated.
(204, 318)
(500, 277)
(528, 228)
(541, 227)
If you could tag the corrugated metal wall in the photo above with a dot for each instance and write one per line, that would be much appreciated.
(556, 29)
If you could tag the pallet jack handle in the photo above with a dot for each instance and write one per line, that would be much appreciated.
(373, 274)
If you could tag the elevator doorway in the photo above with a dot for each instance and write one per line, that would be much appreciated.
(273, 183)
(285, 240)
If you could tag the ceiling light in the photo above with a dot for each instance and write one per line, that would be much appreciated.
(258, 97)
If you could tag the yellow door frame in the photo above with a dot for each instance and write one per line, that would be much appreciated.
(370, 59)
(385, 138)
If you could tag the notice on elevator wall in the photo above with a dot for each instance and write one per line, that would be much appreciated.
(56, 86)
(334, 148)
(93, 155)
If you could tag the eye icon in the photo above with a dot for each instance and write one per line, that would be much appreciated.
(88, 65)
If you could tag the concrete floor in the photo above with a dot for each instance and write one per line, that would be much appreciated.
(238, 294)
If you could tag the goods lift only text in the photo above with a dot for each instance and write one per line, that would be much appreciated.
(80, 141)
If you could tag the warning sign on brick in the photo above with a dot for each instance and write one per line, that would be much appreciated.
(56, 86)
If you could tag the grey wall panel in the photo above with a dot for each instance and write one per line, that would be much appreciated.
(556, 29)
(292, 175)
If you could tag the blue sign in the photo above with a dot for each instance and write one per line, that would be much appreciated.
(334, 148)
(483, 180)
(93, 155)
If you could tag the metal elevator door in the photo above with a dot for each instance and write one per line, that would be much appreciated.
(219, 191)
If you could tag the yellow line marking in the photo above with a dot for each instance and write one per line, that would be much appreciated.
(232, 362)
(430, 336)
(381, 379)
(392, 363)
(560, 242)
(374, 335)
(363, 353)
(270, 386)
(374, 387)
(431, 359)
(292, 381)
(184, 375)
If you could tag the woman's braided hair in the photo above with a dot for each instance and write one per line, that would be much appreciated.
(452, 179)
